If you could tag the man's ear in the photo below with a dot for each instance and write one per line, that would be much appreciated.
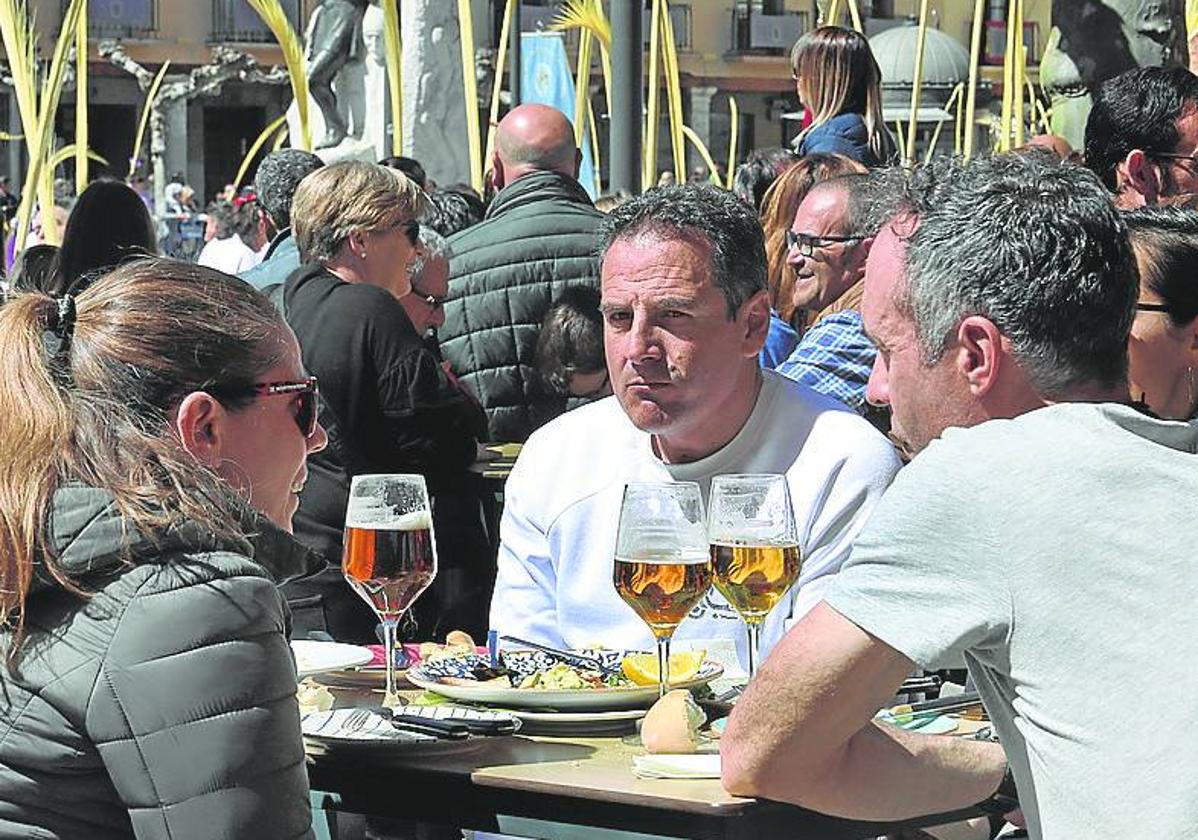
(496, 172)
(199, 422)
(1139, 175)
(755, 315)
(861, 254)
(979, 354)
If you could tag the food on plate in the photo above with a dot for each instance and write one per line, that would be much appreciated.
(563, 677)
(459, 638)
(642, 669)
(313, 697)
(457, 643)
(672, 724)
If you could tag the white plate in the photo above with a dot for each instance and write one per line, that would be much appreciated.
(328, 731)
(429, 676)
(319, 657)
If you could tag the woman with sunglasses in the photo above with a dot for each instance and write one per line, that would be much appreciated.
(153, 436)
(389, 407)
(1163, 347)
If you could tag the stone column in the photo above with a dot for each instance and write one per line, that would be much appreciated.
(176, 138)
(434, 110)
(700, 123)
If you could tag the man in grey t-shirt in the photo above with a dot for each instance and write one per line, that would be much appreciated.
(1050, 547)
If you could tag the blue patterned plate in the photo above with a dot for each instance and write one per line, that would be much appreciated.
(432, 675)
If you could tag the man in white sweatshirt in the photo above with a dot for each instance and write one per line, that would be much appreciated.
(685, 313)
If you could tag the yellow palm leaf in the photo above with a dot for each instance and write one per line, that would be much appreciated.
(394, 57)
(470, 91)
(733, 138)
(275, 18)
(71, 150)
(498, 85)
(263, 137)
(38, 178)
(713, 174)
(585, 15)
(1191, 19)
(146, 107)
(81, 97)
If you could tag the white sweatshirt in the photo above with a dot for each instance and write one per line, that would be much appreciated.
(562, 506)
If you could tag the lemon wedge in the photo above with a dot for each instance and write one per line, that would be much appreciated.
(641, 668)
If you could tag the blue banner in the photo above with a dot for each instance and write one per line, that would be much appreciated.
(546, 78)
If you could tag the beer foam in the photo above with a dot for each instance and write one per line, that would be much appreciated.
(385, 519)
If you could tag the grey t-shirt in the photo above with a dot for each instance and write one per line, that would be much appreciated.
(1058, 553)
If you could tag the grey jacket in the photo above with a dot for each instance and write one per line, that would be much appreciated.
(163, 705)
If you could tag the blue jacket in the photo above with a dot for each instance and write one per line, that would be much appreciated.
(282, 259)
(844, 134)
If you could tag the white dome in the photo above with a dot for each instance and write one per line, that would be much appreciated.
(945, 63)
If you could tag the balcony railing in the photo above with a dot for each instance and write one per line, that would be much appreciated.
(235, 21)
(121, 18)
(754, 33)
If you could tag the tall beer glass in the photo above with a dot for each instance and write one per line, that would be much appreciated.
(662, 568)
(754, 547)
(390, 554)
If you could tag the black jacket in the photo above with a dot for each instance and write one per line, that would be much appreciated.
(539, 236)
(394, 411)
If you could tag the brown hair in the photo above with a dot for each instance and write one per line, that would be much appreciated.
(778, 208)
(350, 197)
(837, 74)
(95, 407)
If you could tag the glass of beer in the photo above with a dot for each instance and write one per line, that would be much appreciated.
(662, 567)
(754, 547)
(390, 554)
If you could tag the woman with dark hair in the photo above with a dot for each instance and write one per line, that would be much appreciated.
(1162, 350)
(838, 80)
(153, 439)
(108, 225)
(570, 347)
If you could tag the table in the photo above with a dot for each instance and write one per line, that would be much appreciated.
(556, 787)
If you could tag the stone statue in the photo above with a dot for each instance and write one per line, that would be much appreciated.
(334, 39)
(1093, 40)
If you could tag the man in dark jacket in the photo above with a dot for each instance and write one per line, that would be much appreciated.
(279, 175)
(538, 237)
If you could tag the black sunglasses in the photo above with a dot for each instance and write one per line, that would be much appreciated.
(307, 408)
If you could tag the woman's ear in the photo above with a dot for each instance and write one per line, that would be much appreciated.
(199, 422)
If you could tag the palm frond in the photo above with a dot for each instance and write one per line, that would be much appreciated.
(504, 32)
(673, 92)
(470, 92)
(275, 18)
(146, 107)
(38, 178)
(71, 150)
(585, 15)
(713, 173)
(394, 56)
(263, 137)
(81, 99)
(733, 139)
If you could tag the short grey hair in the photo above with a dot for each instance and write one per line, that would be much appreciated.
(714, 216)
(430, 246)
(1035, 246)
(858, 219)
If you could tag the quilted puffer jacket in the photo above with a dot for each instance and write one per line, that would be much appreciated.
(538, 237)
(163, 706)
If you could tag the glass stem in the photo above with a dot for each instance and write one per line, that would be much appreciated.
(754, 646)
(663, 665)
(390, 625)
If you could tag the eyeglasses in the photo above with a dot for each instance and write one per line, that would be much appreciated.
(434, 303)
(307, 406)
(1175, 156)
(807, 244)
(1151, 307)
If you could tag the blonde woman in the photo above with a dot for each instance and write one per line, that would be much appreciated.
(838, 80)
(388, 403)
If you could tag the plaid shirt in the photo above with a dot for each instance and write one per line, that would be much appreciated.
(834, 358)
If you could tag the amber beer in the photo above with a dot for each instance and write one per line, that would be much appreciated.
(390, 565)
(662, 589)
(754, 577)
